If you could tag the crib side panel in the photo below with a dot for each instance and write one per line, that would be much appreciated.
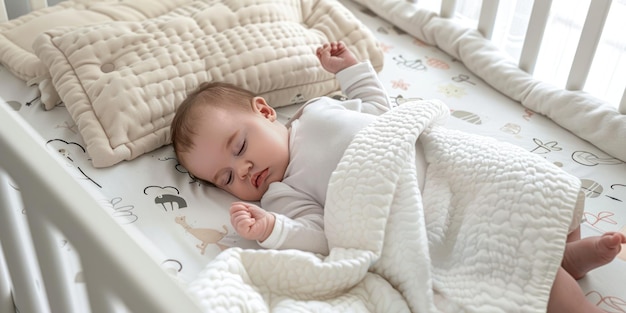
(588, 43)
(13, 8)
(534, 35)
(116, 270)
(6, 296)
(579, 69)
(38, 4)
(23, 275)
(4, 16)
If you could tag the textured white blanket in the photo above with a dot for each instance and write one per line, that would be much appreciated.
(487, 235)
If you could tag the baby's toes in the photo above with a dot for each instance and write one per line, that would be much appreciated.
(610, 244)
(623, 237)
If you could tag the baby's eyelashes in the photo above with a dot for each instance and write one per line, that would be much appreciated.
(242, 149)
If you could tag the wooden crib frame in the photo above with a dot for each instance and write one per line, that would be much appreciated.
(115, 267)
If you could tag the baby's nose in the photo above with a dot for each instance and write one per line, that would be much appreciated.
(244, 169)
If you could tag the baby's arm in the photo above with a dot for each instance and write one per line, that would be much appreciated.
(299, 222)
(251, 222)
(358, 80)
(279, 231)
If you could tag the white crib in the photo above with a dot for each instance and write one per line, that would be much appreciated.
(31, 268)
(36, 280)
(115, 267)
(531, 41)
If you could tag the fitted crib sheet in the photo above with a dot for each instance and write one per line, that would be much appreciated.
(186, 223)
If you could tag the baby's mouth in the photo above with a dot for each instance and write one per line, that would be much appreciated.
(259, 178)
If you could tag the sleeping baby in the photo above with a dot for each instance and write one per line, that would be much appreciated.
(231, 138)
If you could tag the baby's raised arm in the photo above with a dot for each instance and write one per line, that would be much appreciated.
(334, 57)
(358, 80)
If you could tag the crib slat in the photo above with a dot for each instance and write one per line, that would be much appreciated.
(53, 269)
(34, 5)
(38, 4)
(3, 12)
(487, 19)
(534, 35)
(622, 104)
(589, 39)
(108, 255)
(101, 301)
(6, 299)
(17, 247)
(448, 8)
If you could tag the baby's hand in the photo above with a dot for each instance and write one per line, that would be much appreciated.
(335, 57)
(250, 221)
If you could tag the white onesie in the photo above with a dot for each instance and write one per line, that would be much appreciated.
(319, 134)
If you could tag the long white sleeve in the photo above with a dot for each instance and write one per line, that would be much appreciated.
(360, 82)
(302, 224)
(319, 135)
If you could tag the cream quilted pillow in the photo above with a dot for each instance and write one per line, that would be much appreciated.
(122, 81)
(17, 35)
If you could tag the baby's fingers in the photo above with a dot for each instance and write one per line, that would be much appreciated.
(323, 51)
(241, 222)
(236, 205)
(238, 215)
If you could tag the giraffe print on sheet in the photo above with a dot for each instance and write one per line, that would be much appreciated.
(205, 235)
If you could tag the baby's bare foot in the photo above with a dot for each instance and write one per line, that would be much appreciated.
(588, 253)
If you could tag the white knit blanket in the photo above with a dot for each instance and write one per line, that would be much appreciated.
(486, 236)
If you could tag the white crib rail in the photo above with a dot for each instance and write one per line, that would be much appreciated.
(4, 16)
(6, 299)
(20, 256)
(588, 43)
(488, 14)
(37, 4)
(34, 5)
(118, 273)
(585, 52)
(534, 35)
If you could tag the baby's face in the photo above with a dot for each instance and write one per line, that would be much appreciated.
(238, 151)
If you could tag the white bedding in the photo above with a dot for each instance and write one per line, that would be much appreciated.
(577, 111)
(497, 222)
(413, 69)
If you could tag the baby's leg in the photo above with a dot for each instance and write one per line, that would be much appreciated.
(583, 255)
(566, 296)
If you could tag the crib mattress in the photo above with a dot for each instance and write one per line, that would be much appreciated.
(185, 224)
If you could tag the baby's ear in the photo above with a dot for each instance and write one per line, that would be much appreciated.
(261, 106)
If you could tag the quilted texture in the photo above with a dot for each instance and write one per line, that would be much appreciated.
(122, 81)
(492, 216)
(17, 35)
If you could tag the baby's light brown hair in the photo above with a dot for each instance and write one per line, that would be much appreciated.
(210, 94)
